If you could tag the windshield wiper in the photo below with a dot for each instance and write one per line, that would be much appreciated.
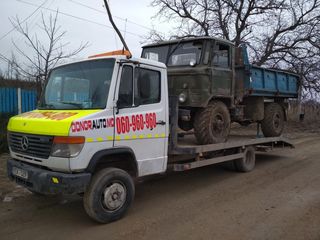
(47, 106)
(79, 105)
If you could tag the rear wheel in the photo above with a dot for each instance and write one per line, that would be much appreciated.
(212, 124)
(273, 123)
(247, 163)
(109, 195)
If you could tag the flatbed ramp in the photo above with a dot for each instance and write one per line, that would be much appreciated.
(239, 150)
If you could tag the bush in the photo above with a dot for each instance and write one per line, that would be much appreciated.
(4, 118)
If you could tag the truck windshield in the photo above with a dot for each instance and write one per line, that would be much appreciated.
(179, 54)
(82, 85)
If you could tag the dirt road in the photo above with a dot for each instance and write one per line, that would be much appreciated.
(280, 199)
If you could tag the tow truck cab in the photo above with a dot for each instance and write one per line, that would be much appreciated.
(94, 113)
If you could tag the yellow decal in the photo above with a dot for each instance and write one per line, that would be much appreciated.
(49, 115)
(126, 137)
(47, 122)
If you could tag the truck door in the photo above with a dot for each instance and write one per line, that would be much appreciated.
(222, 73)
(141, 116)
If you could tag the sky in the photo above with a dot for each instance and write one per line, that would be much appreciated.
(84, 21)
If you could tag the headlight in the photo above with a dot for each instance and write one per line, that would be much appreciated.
(67, 147)
(182, 97)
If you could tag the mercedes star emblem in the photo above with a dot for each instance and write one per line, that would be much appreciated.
(24, 143)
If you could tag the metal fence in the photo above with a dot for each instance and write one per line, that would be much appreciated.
(17, 100)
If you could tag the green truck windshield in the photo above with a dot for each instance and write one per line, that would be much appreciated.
(82, 85)
(179, 54)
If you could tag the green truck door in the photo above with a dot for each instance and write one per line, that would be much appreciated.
(222, 73)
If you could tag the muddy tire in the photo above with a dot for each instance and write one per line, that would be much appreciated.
(247, 163)
(212, 124)
(109, 195)
(273, 122)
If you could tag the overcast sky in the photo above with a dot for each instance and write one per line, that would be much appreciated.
(93, 27)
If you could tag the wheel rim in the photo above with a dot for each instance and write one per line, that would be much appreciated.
(114, 196)
(218, 125)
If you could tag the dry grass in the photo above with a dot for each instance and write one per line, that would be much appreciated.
(310, 109)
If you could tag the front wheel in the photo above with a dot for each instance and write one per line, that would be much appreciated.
(109, 195)
(212, 124)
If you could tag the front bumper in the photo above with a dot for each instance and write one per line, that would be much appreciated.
(48, 182)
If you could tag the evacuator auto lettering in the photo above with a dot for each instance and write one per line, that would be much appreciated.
(78, 126)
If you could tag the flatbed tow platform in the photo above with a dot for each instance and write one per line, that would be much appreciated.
(237, 153)
(238, 149)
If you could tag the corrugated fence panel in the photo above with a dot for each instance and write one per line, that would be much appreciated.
(9, 100)
(28, 100)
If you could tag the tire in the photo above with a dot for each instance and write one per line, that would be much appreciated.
(247, 163)
(212, 124)
(106, 184)
(273, 123)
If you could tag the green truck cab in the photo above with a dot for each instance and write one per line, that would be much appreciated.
(216, 85)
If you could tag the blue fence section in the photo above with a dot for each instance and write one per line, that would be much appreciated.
(28, 100)
(9, 100)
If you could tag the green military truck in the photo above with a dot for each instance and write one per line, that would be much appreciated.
(216, 85)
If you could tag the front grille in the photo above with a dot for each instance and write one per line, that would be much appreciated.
(31, 145)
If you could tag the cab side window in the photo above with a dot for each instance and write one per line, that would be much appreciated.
(221, 56)
(126, 88)
(147, 86)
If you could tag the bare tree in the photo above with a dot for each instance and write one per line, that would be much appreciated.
(46, 54)
(279, 33)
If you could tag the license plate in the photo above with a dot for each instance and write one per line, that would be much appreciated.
(20, 172)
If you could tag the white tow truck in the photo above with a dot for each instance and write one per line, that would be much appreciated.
(104, 122)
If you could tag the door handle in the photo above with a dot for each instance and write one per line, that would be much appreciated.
(161, 122)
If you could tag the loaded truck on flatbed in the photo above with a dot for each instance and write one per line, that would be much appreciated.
(106, 121)
(217, 85)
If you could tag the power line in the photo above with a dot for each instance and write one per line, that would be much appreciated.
(76, 17)
(120, 18)
(24, 20)
(32, 22)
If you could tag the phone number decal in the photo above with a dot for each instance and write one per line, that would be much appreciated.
(137, 122)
